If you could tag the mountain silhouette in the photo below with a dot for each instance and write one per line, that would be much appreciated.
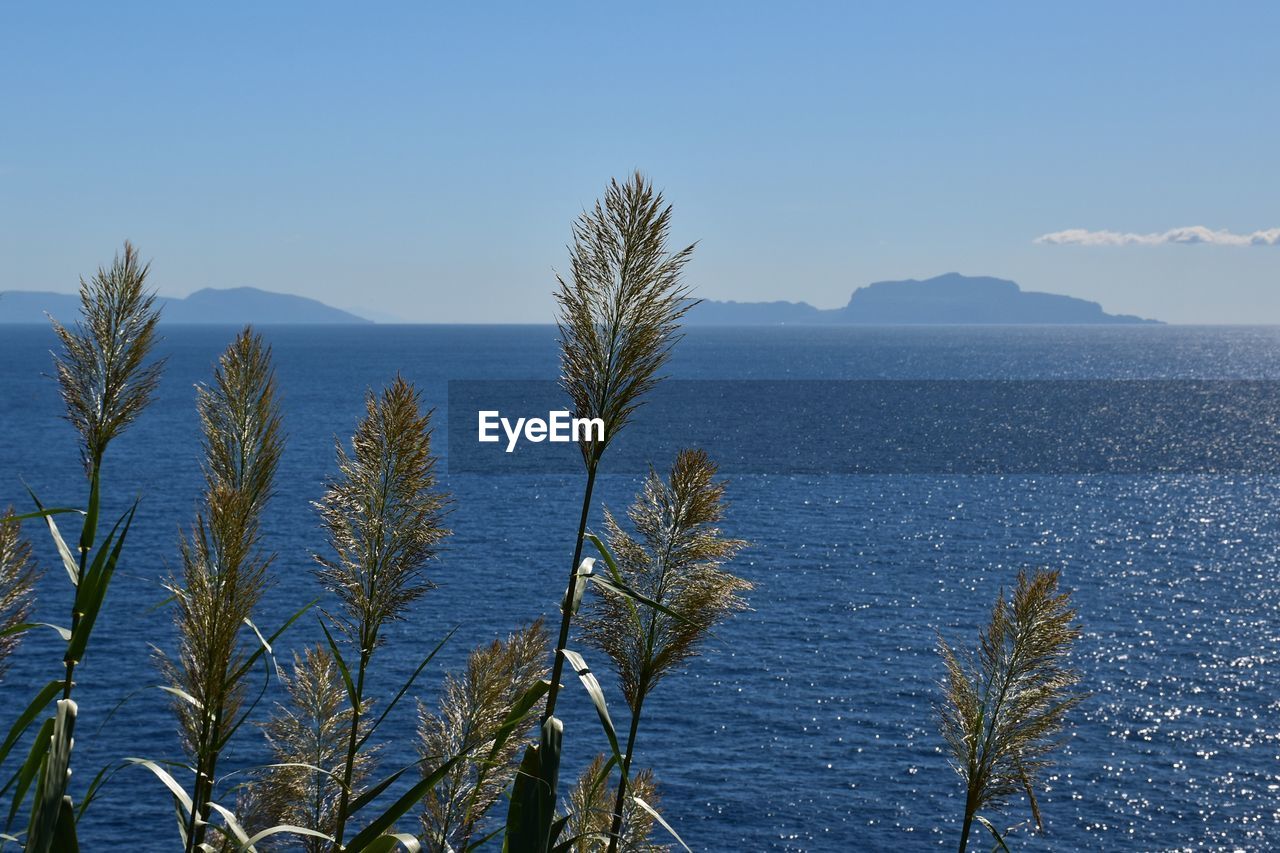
(951, 299)
(234, 305)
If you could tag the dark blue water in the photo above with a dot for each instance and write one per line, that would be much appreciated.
(808, 725)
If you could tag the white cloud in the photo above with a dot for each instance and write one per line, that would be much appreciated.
(1186, 235)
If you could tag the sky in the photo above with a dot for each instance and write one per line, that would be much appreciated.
(425, 161)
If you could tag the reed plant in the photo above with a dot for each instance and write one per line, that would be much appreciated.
(18, 575)
(1006, 706)
(474, 707)
(107, 377)
(224, 568)
(675, 563)
(384, 518)
(619, 317)
(383, 513)
(591, 807)
(619, 312)
(307, 738)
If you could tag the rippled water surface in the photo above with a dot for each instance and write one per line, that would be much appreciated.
(808, 725)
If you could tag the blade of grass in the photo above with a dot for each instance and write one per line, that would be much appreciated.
(283, 828)
(258, 652)
(97, 579)
(403, 689)
(99, 781)
(169, 782)
(29, 770)
(376, 791)
(38, 704)
(995, 833)
(229, 819)
(580, 578)
(42, 513)
(54, 773)
(64, 829)
(342, 666)
(520, 711)
(68, 562)
(383, 822)
(658, 817)
(589, 681)
(23, 627)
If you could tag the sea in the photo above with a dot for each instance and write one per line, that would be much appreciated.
(809, 721)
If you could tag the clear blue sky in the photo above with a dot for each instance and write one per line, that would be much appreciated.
(426, 159)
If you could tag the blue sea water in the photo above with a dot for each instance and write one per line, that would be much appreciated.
(808, 724)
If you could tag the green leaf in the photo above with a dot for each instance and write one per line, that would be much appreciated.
(533, 796)
(605, 553)
(64, 831)
(284, 828)
(68, 562)
(64, 633)
(42, 513)
(550, 743)
(616, 574)
(404, 688)
(29, 769)
(589, 681)
(482, 841)
(332, 774)
(41, 701)
(654, 812)
(520, 711)
(557, 828)
(995, 833)
(601, 778)
(524, 826)
(169, 782)
(92, 592)
(103, 777)
(229, 818)
(118, 705)
(391, 841)
(264, 647)
(373, 793)
(182, 694)
(379, 825)
(258, 652)
(342, 667)
(622, 589)
(52, 788)
(261, 639)
(90, 528)
(617, 584)
(580, 578)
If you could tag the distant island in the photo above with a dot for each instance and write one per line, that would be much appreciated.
(951, 299)
(234, 305)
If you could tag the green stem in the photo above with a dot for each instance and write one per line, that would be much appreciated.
(197, 800)
(566, 606)
(206, 769)
(87, 534)
(75, 624)
(964, 832)
(615, 830)
(651, 637)
(348, 771)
